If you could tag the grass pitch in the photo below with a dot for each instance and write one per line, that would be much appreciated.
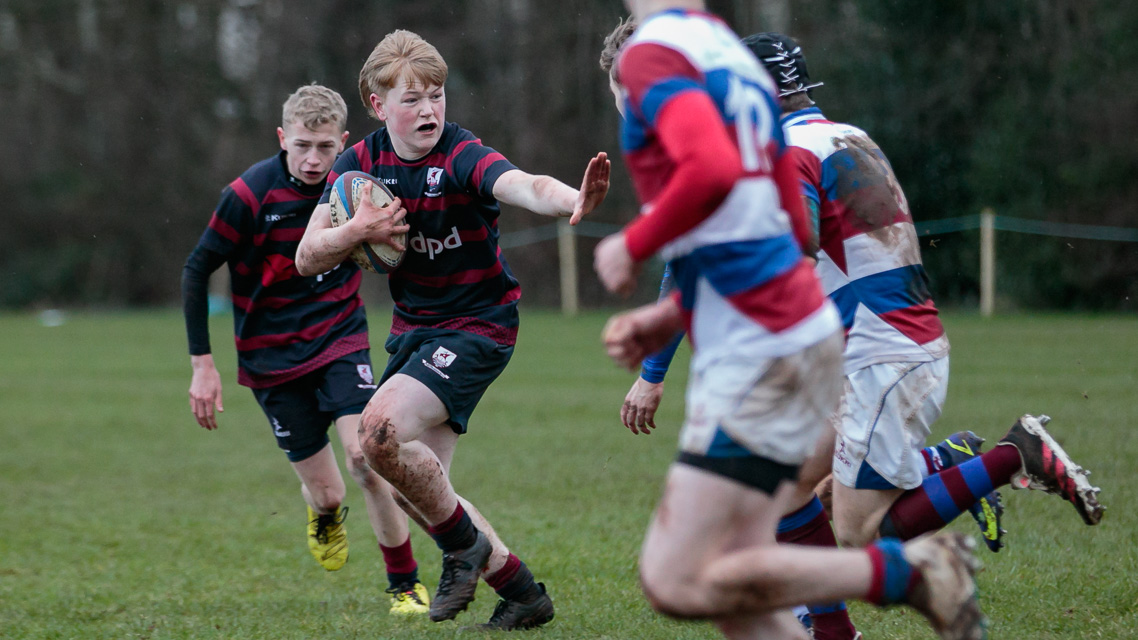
(121, 518)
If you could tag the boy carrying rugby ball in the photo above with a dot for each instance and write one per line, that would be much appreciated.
(456, 316)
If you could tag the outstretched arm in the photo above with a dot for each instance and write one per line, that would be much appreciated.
(551, 197)
(707, 167)
(324, 246)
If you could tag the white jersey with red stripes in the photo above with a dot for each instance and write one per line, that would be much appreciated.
(870, 260)
(740, 272)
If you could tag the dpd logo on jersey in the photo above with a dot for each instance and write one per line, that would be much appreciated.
(434, 182)
(441, 359)
(433, 247)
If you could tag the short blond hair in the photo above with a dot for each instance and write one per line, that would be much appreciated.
(613, 42)
(313, 106)
(400, 53)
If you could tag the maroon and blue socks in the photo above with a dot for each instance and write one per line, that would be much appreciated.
(946, 494)
(810, 526)
(893, 576)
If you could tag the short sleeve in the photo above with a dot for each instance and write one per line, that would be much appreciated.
(477, 167)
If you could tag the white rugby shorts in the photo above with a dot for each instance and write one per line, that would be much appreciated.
(885, 418)
(774, 408)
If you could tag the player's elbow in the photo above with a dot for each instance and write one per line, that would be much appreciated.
(304, 264)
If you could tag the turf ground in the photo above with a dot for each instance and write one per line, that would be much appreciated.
(121, 518)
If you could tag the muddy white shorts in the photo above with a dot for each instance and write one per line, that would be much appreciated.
(773, 408)
(886, 416)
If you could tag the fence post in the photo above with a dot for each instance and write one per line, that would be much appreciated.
(567, 255)
(987, 262)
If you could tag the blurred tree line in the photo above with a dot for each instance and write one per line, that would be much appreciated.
(123, 119)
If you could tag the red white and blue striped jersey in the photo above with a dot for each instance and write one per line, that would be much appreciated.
(453, 275)
(870, 259)
(285, 324)
(739, 270)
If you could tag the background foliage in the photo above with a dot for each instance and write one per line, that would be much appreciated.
(123, 119)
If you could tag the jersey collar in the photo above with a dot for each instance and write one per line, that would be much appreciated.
(802, 116)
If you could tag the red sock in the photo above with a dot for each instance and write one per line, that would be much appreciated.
(499, 578)
(399, 559)
(514, 581)
(456, 532)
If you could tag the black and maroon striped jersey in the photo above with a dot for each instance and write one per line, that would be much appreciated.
(454, 275)
(285, 324)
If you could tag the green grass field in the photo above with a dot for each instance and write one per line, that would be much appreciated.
(121, 518)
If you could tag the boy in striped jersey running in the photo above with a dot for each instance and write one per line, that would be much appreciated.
(455, 320)
(302, 342)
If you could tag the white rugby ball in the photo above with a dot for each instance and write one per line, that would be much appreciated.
(345, 198)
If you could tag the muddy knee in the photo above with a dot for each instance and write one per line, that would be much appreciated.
(378, 439)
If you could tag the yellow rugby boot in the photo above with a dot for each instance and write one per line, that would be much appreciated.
(327, 538)
(409, 599)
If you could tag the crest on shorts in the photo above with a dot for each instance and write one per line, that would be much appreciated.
(443, 357)
(434, 182)
(365, 373)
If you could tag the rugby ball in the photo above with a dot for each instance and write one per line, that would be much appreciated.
(344, 199)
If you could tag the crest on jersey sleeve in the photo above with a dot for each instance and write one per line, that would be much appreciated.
(434, 182)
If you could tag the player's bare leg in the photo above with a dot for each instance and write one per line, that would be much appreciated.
(389, 523)
(386, 518)
(807, 522)
(502, 566)
(689, 570)
(442, 443)
(400, 413)
(782, 624)
(858, 513)
(320, 481)
(323, 489)
(403, 433)
(500, 552)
